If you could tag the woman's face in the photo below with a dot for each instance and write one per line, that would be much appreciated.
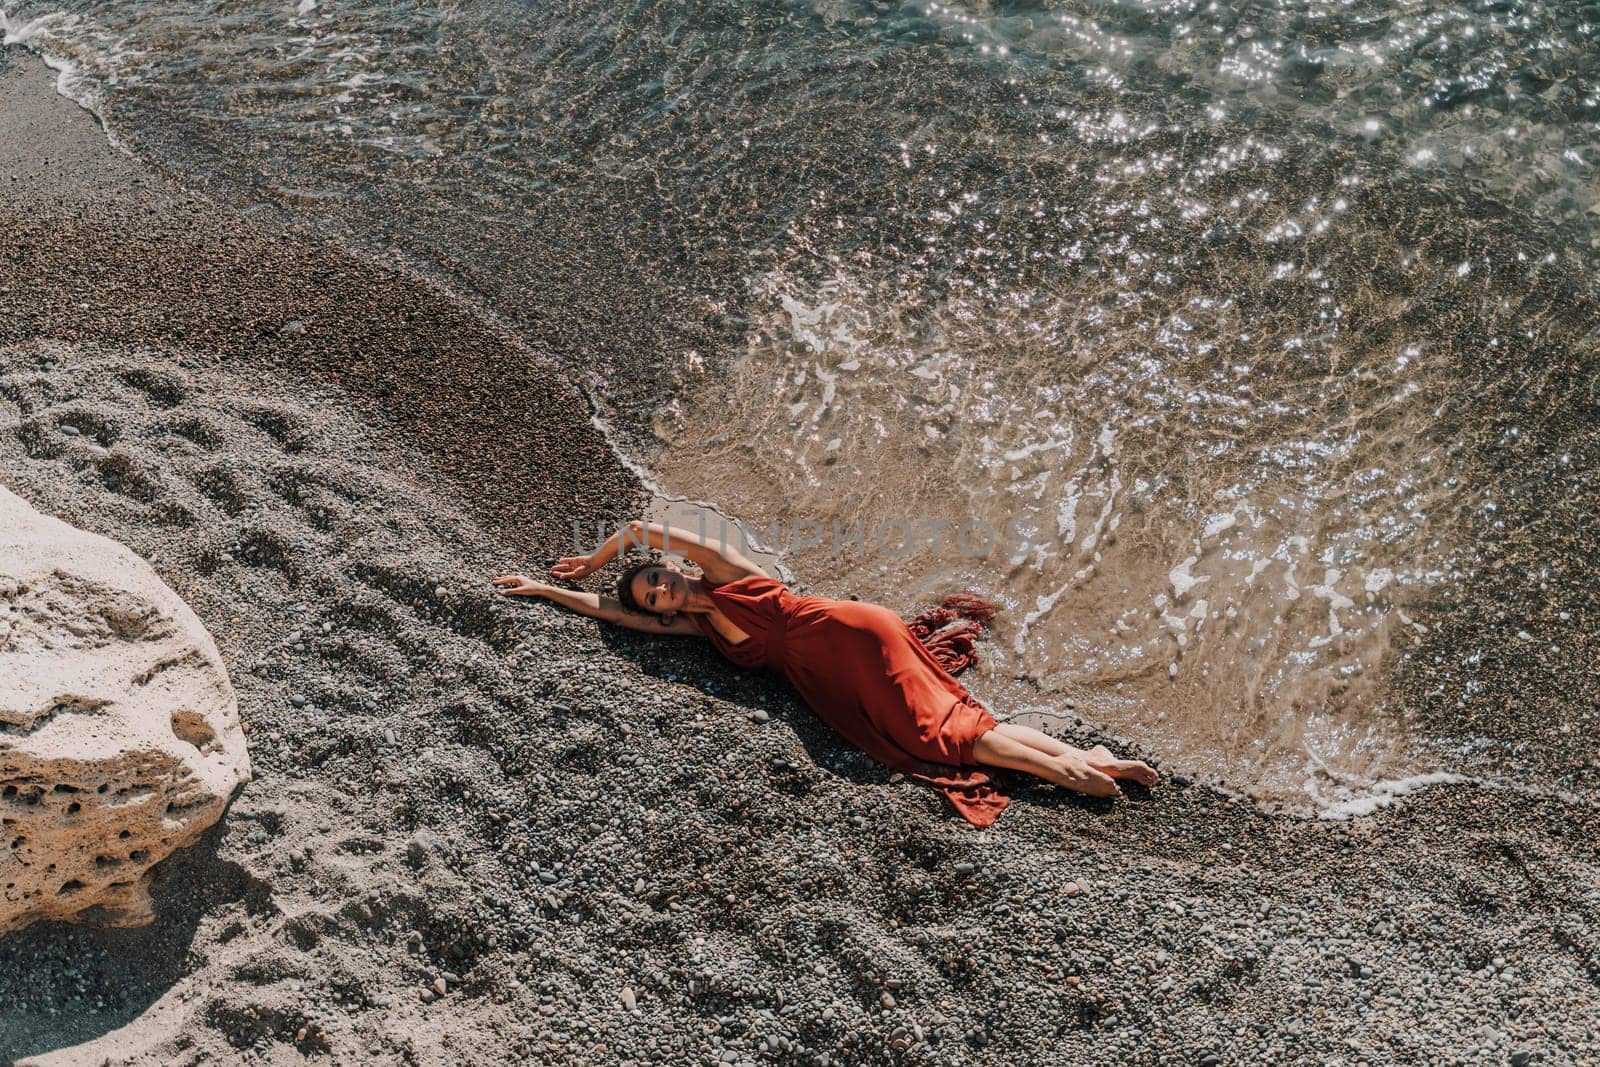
(661, 589)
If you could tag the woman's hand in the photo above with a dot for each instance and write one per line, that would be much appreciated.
(572, 568)
(519, 585)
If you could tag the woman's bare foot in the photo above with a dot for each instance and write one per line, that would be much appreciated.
(1101, 759)
(1081, 776)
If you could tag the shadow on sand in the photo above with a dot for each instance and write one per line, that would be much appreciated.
(695, 663)
(62, 984)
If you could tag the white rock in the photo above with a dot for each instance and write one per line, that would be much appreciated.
(119, 731)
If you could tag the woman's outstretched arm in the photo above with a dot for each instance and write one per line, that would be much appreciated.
(718, 562)
(605, 608)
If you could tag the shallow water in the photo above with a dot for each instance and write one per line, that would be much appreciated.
(1268, 328)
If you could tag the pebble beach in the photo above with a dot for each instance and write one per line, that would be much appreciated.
(489, 831)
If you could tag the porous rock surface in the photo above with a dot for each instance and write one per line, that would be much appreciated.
(120, 738)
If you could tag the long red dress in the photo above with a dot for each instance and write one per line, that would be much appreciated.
(863, 672)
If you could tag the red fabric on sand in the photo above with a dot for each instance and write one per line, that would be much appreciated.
(862, 671)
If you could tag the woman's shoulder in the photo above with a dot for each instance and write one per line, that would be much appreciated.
(756, 582)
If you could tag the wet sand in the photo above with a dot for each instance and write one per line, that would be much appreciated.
(490, 831)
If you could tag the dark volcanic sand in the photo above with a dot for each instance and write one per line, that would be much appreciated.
(554, 821)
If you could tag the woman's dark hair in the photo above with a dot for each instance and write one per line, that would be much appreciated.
(625, 585)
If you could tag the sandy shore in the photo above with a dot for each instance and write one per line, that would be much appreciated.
(484, 831)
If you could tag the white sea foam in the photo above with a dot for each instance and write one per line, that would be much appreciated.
(1336, 600)
(1067, 516)
(1019, 454)
(1182, 580)
(52, 37)
(1372, 796)
(1378, 579)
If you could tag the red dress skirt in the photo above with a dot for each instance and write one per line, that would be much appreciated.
(864, 673)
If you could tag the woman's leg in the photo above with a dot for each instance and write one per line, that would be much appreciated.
(1098, 757)
(999, 749)
(1038, 739)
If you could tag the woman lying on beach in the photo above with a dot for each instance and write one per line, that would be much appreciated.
(858, 666)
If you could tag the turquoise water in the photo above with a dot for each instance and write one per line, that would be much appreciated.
(1274, 321)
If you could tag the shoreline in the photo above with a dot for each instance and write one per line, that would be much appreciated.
(538, 814)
